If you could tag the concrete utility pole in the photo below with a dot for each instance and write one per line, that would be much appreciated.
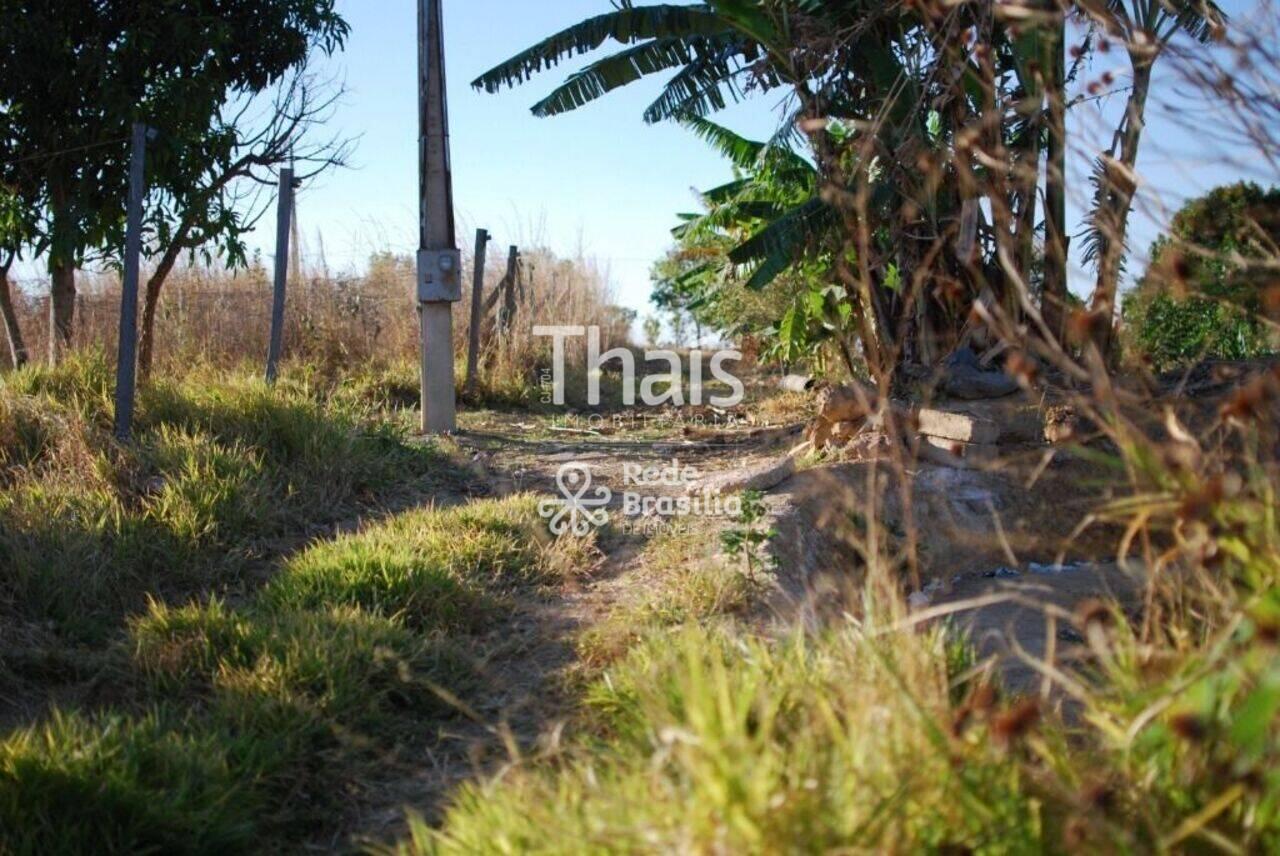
(439, 277)
(284, 213)
(477, 311)
(127, 356)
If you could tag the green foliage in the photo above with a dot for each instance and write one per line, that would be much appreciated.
(75, 76)
(719, 742)
(757, 262)
(1170, 331)
(709, 52)
(746, 539)
(109, 784)
(1203, 292)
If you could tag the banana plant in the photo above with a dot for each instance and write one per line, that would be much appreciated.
(720, 50)
(1145, 27)
(873, 90)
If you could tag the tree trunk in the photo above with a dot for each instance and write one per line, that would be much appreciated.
(1113, 214)
(1053, 300)
(62, 310)
(17, 345)
(1028, 197)
(150, 304)
(62, 270)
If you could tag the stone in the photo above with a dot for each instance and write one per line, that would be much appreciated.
(836, 404)
(953, 425)
(761, 477)
(966, 378)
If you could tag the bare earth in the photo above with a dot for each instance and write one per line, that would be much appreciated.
(971, 523)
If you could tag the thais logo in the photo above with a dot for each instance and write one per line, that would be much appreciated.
(656, 390)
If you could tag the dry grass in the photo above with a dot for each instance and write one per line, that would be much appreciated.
(338, 325)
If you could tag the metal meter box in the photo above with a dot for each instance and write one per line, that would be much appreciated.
(439, 276)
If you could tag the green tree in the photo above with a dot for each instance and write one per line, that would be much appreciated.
(75, 74)
(211, 207)
(1203, 293)
(652, 330)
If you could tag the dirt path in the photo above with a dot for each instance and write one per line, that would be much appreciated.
(529, 660)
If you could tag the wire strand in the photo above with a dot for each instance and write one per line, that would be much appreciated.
(48, 155)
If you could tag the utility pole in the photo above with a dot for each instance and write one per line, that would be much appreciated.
(127, 356)
(284, 213)
(439, 277)
(477, 311)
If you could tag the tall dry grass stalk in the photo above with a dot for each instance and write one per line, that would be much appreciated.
(338, 322)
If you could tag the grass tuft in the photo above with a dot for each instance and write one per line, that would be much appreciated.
(109, 784)
(434, 570)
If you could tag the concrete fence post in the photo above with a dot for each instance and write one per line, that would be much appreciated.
(284, 213)
(477, 311)
(127, 356)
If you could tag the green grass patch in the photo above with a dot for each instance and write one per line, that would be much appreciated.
(313, 668)
(274, 708)
(682, 581)
(221, 466)
(112, 784)
(720, 743)
(442, 570)
(253, 674)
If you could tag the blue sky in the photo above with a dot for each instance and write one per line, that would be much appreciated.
(599, 177)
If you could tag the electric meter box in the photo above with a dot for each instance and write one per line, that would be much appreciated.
(439, 276)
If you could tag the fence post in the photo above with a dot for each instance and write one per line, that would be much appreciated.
(127, 356)
(508, 313)
(284, 212)
(477, 311)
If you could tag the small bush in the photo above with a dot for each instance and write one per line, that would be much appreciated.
(1203, 295)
